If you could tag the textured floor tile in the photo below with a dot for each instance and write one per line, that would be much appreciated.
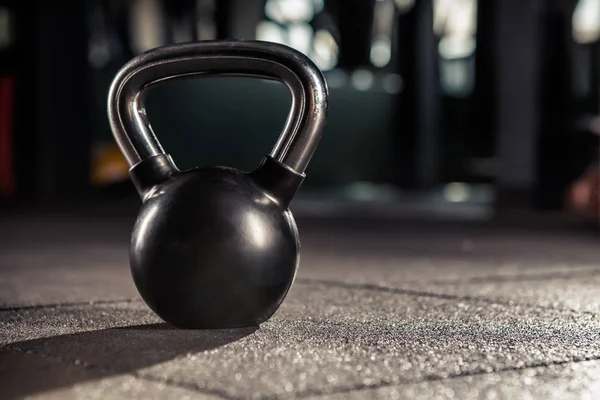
(328, 340)
(41, 322)
(69, 272)
(571, 291)
(323, 340)
(76, 381)
(407, 258)
(577, 381)
(412, 272)
(578, 294)
(443, 243)
(546, 271)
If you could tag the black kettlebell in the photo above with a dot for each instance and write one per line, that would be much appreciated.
(215, 247)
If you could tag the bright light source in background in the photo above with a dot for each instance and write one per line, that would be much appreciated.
(290, 25)
(325, 50)
(147, 25)
(455, 17)
(362, 79)
(456, 22)
(393, 83)
(586, 21)
(270, 32)
(300, 37)
(456, 192)
(290, 11)
(318, 5)
(453, 47)
(383, 24)
(273, 11)
(381, 51)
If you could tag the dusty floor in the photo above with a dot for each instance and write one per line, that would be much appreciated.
(393, 312)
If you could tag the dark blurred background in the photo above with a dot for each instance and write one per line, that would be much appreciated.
(459, 108)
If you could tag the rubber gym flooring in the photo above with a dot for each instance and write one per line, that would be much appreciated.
(380, 309)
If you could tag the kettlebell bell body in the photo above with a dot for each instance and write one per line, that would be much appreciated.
(214, 247)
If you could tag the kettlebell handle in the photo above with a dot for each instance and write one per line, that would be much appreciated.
(303, 128)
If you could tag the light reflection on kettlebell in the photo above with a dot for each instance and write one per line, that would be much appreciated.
(144, 227)
(259, 236)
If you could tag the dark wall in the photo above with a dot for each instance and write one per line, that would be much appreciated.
(235, 121)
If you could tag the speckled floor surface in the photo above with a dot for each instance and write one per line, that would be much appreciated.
(389, 311)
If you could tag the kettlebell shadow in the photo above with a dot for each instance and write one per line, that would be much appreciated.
(36, 366)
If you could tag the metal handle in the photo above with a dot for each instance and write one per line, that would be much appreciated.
(304, 125)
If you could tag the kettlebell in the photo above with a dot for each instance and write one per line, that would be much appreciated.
(214, 247)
